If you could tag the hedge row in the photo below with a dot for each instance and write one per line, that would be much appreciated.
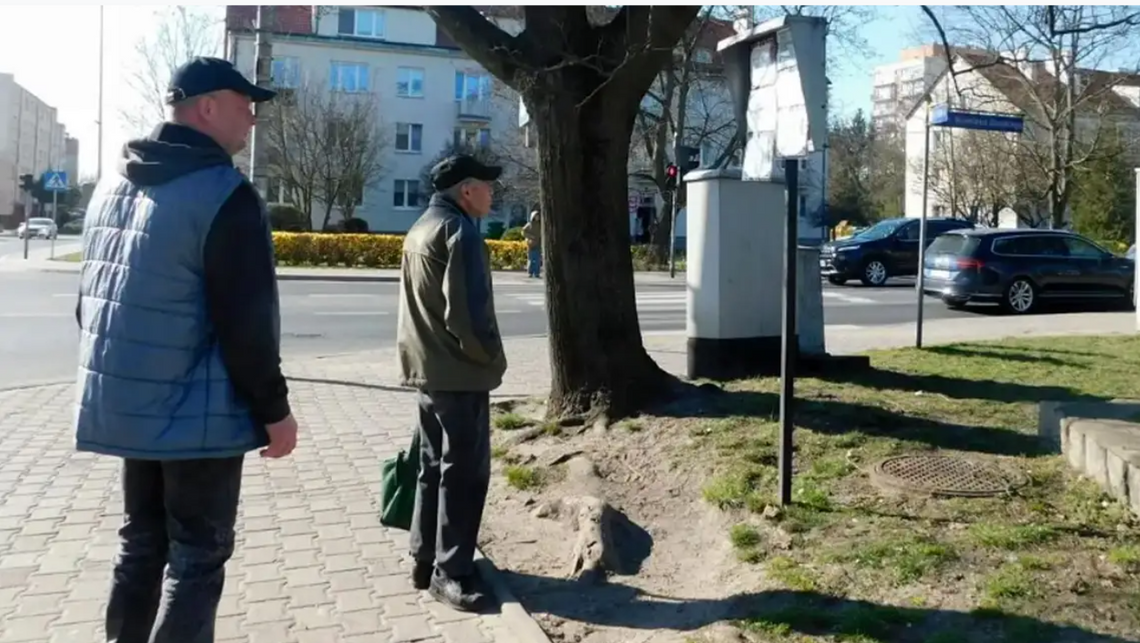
(371, 250)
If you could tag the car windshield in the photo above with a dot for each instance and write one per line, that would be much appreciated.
(880, 230)
(39, 221)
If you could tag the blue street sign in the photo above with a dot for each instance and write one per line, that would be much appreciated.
(55, 181)
(943, 116)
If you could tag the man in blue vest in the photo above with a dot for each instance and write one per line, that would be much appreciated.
(179, 359)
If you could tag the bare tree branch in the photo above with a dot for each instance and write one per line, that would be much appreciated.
(183, 33)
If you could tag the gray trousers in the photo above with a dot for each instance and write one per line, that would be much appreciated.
(455, 471)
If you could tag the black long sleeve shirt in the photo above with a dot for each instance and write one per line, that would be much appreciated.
(241, 295)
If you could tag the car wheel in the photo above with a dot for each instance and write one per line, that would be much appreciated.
(835, 280)
(1020, 297)
(874, 273)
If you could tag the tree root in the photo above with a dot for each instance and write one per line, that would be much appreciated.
(595, 553)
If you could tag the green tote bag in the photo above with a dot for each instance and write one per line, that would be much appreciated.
(398, 477)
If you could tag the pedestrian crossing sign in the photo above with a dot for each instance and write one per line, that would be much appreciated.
(55, 181)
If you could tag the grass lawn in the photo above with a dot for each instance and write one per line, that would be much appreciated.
(71, 257)
(1055, 560)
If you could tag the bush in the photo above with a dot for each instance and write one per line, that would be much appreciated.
(371, 250)
(513, 234)
(288, 218)
(355, 226)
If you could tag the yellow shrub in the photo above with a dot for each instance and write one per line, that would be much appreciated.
(371, 250)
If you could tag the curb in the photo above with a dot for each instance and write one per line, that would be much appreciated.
(33, 384)
(519, 622)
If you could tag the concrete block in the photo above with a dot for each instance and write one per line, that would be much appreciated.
(1098, 439)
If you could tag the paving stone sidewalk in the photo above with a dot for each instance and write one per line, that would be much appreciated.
(312, 562)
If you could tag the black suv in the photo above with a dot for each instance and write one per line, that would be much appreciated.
(1020, 268)
(887, 249)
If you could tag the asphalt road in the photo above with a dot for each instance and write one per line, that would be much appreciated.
(38, 334)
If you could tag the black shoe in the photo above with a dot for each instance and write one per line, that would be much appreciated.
(464, 594)
(421, 574)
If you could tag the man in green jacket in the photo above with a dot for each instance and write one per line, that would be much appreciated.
(451, 352)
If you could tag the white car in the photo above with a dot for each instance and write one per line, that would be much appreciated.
(38, 227)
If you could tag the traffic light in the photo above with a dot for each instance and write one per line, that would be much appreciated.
(672, 173)
(27, 183)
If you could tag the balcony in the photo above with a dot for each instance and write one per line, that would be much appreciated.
(474, 110)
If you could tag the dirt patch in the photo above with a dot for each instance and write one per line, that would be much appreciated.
(664, 529)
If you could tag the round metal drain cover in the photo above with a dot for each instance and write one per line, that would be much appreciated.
(943, 475)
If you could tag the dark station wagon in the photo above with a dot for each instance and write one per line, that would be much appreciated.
(1022, 269)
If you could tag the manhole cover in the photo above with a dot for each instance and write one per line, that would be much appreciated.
(944, 475)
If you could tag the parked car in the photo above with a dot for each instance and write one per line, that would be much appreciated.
(887, 249)
(38, 227)
(1020, 269)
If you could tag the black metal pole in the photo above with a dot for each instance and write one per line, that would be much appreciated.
(789, 336)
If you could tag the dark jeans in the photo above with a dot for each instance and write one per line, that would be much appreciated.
(455, 470)
(178, 516)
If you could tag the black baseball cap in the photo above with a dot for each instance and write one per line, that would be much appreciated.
(454, 169)
(204, 75)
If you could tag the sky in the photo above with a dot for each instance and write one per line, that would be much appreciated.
(60, 64)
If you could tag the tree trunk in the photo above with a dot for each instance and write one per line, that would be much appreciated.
(598, 363)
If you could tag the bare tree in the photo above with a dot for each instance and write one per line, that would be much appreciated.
(183, 33)
(976, 175)
(1043, 60)
(689, 100)
(325, 148)
(582, 80)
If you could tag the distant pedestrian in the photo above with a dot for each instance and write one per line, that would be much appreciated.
(179, 356)
(532, 232)
(451, 351)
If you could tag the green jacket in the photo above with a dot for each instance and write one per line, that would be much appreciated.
(447, 336)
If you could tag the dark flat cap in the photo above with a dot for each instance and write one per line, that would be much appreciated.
(204, 75)
(454, 169)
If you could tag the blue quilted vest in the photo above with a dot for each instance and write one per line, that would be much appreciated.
(151, 382)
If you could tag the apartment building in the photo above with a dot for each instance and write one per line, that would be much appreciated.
(428, 93)
(1106, 100)
(898, 86)
(71, 159)
(32, 141)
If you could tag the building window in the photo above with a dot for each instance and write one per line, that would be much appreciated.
(472, 87)
(406, 193)
(410, 82)
(409, 137)
(465, 137)
(286, 72)
(348, 77)
(366, 23)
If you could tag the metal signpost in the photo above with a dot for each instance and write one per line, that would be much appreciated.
(687, 159)
(55, 181)
(944, 116)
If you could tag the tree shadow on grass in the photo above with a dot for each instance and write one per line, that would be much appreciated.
(836, 417)
(1003, 353)
(955, 387)
(782, 612)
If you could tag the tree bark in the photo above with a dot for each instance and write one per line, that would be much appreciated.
(599, 365)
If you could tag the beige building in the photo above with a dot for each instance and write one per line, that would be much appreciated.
(1107, 100)
(428, 93)
(32, 141)
(71, 159)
